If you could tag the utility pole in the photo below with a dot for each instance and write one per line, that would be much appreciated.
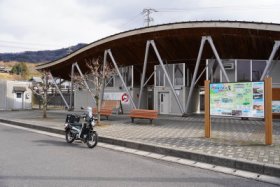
(69, 50)
(147, 13)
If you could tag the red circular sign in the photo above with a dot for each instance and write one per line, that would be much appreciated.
(125, 98)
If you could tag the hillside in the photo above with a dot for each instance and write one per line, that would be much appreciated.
(8, 76)
(39, 56)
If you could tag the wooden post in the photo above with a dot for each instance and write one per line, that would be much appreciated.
(207, 119)
(268, 110)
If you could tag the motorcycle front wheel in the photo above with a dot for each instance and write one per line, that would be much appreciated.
(92, 139)
(69, 136)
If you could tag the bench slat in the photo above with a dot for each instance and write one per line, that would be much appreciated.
(144, 114)
(104, 111)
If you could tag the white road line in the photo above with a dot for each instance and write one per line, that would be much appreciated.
(191, 163)
(34, 130)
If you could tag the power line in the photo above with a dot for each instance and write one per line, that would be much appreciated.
(218, 7)
(132, 19)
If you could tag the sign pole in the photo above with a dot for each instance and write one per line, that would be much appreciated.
(207, 119)
(268, 110)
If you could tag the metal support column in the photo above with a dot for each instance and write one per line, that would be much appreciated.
(268, 65)
(149, 78)
(103, 78)
(59, 90)
(195, 71)
(203, 40)
(200, 74)
(167, 76)
(72, 85)
(144, 72)
(217, 56)
(118, 71)
(80, 72)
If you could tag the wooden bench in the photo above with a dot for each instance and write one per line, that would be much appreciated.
(144, 114)
(103, 112)
(113, 104)
(276, 115)
(107, 107)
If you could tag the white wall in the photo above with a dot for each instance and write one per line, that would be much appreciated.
(3, 94)
(7, 94)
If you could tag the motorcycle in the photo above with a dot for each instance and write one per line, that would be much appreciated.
(74, 130)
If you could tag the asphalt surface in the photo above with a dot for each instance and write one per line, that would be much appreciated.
(235, 143)
(30, 159)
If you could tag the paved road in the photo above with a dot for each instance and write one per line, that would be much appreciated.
(233, 139)
(30, 159)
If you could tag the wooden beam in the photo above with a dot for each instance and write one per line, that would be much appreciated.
(207, 119)
(268, 110)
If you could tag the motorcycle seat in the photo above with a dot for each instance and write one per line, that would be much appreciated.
(77, 125)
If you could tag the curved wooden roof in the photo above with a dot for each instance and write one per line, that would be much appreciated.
(176, 42)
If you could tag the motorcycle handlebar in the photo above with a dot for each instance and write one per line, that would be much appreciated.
(86, 115)
(83, 115)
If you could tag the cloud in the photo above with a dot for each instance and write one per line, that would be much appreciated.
(54, 24)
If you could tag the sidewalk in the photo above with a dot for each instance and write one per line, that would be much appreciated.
(235, 143)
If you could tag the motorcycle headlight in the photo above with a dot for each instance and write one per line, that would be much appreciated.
(92, 123)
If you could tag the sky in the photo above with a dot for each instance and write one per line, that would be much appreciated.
(31, 25)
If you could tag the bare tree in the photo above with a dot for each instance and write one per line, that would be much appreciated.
(41, 90)
(96, 76)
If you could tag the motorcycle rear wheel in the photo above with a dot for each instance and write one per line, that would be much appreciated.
(69, 137)
(92, 139)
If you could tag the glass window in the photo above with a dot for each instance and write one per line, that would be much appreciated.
(159, 76)
(229, 66)
(243, 70)
(19, 95)
(118, 81)
(179, 74)
(275, 72)
(169, 69)
(110, 82)
(137, 74)
(129, 76)
(210, 69)
(126, 73)
(215, 71)
(257, 69)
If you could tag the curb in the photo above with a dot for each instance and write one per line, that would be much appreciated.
(266, 169)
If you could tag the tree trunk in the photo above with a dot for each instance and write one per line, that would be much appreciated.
(45, 103)
(45, 111)
(98, 107)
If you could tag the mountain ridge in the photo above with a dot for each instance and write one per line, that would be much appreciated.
(40, 56)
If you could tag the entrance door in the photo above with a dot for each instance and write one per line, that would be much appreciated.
(18, 100)
(164, 103)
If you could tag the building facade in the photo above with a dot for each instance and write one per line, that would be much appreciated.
(163, 67)
(15, 95)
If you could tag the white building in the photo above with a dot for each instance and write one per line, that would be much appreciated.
(15, 95)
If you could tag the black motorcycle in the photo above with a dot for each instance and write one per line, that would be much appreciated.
(74, 130)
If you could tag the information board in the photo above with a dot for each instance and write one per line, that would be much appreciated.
(242, 99)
